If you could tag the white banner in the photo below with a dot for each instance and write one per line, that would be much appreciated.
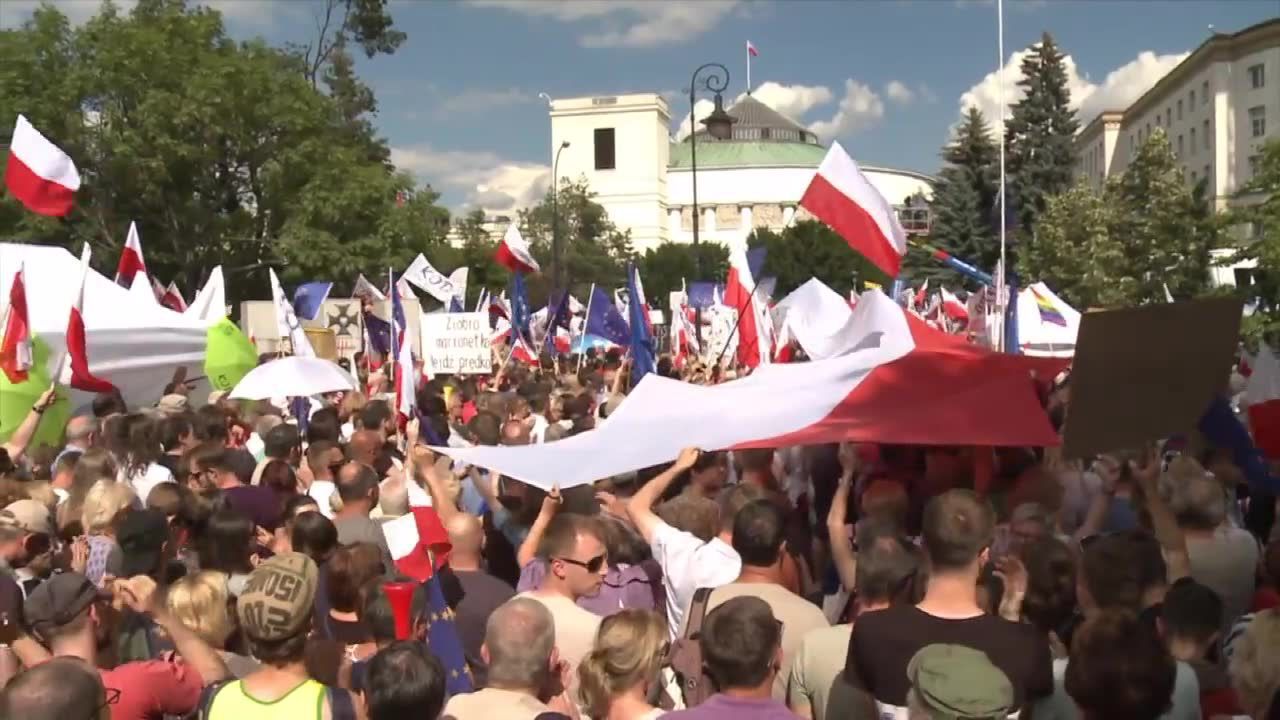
(430, 280)
(455, 343)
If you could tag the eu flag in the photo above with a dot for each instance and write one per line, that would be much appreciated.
(520, 315)
(642, 356)
(379, 333)
(604, 320)
(557, 317)
(703, 295)
(443, 640)
(309, 298)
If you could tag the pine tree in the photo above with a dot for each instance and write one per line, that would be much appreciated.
(1039, 133)
(959, 227)
(974, 149)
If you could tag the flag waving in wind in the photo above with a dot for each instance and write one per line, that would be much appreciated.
(842, 197)
(75, 367)
(131, 262)
(308, 298)
(514, 252)
(287, 323)
(39, 173)
(642, 355)
(431, 281)
(406, 393)
(15, 350)
(604, 320)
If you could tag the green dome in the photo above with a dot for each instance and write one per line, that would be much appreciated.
(742, 154)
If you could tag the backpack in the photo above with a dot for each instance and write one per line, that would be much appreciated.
(340, 702)
(685, 655)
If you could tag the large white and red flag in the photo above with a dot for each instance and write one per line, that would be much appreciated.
(15, 349)
(953, 308)
(1262, 395)
(171, 298)
(39, 173)
(418, 542)
(842, 197)
(890, 380)
(74, 369)
(739, 294)
(514, 252)
(131, 262)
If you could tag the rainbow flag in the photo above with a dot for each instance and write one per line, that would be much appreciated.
(1048, 312)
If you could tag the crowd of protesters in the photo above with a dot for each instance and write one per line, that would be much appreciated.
(228, 562)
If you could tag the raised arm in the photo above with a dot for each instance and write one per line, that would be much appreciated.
(1163, 524)
(18, 442)
(139, 593)
(640, 507)
(842, 552)
(529, 548)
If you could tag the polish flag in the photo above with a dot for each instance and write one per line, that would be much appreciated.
(74, 369)
(751, 49)
(514, 252)
(738, 287)
(418, 542)
(952, 306)
(842, 197)
(498, 306)
(15, 350)
(406, 392)
(1262, 395)
(888, 379)
(39, 173)
(130, 258)
(523, 353)
(172, 298)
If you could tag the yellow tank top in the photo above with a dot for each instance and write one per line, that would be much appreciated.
(233, 703)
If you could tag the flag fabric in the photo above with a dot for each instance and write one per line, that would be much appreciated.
(364, 288)
(751, 49)
(210, 303)
(922, 295)
(703, 295)
(642, 354)
(131, 262)
(520, 315)
(842, 197)
(482, 302)
(604, 320)
(445, 642)
(377, 334)
(1262, 396)
(890, 380)
(522, 352)
(953, 308)
(514, 252)
(1168, 296)
(739, 291)
(458, 301)
(287, 325)
(38, 173)
(75, 369)
(309, 298)
(575, 306)
(172, 298)
(499, 306)
(15, 349)
(1222, 428)
(406, 393)
(1049, 312)
(426, 278)
(557, 319)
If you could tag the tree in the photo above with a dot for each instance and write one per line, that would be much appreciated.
(365, 22)
(1257, 218)
(595, 250)
(1074, 251)
(808, 249)
(958, 227)
(1039, 135)
(670, 266)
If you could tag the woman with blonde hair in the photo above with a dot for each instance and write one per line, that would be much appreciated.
(199, 602)
(104, 505)
(1255, 666)
(615, 677)
(94, 464)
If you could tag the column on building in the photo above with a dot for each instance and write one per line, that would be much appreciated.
(709, 219)
(788, 214)
(745, 212)
(673, 223)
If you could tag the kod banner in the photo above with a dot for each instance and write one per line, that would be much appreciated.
(429, 280)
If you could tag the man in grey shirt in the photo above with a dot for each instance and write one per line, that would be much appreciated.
(358, 488)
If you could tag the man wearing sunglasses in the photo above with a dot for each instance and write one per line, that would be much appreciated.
(26, 532)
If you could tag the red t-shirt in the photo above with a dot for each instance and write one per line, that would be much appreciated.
(151, 689)
(1265, 599)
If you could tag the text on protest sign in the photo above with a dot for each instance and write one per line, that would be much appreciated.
(455, 343)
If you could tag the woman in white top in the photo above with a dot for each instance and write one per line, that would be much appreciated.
(139, 466)
(615, 677)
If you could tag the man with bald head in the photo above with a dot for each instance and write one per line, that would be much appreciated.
(482, 592)
(519, 646)
(365, 446)
(59, 689)
(82, 430)
(358, 489)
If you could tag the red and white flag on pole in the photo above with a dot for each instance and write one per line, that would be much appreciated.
(172, 298)
(751, 50)
(739, 288)
(514, 252)
(39, 173)
(842, 197)
(74, 369)
(131, 262)
(952, 306)
(15, 350)
(1262, 395)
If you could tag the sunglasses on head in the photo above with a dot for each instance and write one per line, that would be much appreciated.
(592, 566)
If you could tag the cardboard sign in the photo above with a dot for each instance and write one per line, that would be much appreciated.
(1143, 374)
(455, 343)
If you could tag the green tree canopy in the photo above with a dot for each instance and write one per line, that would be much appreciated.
(1256, 219)
(809, 249)
(595, 250)
(670, 266)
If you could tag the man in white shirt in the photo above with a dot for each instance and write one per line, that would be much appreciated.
(687, 562)
(324, 457)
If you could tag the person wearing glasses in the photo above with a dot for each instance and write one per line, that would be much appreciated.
(64, 688)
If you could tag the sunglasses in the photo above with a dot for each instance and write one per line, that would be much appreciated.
(111, 697)
(592, 566)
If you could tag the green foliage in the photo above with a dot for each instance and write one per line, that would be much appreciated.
(1256, 221)
(595, 250)
(1122, 247)
(223, 152)
(1039, 135)
(808, 249)
(666, 268)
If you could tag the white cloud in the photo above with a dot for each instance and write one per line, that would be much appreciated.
(899, 92)
(626, 23)
(1116, 91)
(794, 101)
(859, 109)
(484, 179)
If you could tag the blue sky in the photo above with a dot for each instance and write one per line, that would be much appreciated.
(459, 101)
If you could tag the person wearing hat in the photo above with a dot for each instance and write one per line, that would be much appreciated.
(275, 611)
(26, 532)
(954, 681)
(73, 618)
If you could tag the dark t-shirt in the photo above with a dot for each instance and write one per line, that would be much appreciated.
(255, 502)
(884, 641)
(482, 594)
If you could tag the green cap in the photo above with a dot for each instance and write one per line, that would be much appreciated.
(954, 681)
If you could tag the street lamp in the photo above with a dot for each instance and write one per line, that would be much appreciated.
(557, 258)
(719, 126)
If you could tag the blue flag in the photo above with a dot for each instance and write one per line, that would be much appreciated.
(1221, 427)
(455, 304)
(557, 317)
(520, 316)
(379, 333)
(642, 356)
(703, 295)
(755, 260)
(605, 321)
(309, 298)
(443, 640)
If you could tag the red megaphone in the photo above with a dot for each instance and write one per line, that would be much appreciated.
(400, 595)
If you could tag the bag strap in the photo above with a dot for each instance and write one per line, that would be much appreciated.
(341, 706)
(205, 704)
(697, 612)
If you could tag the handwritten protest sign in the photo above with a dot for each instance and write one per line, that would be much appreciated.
(455, 343)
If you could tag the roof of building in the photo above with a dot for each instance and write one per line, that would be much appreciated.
(742, 153)
(755, 121)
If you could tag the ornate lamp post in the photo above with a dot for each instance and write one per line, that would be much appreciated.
(719, 126)
(557, 253)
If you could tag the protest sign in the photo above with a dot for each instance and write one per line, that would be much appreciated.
(455, 343)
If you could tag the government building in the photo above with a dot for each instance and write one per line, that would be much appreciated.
(751, 170)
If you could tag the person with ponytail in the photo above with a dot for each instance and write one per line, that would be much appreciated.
(615, 677)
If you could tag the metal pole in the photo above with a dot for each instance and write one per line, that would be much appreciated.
(713, 83)
(557, 253)
(1002, 288)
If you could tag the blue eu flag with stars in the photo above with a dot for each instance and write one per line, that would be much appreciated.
(605, 321)
(443, 640)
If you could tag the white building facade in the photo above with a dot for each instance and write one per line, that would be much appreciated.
(644, 179)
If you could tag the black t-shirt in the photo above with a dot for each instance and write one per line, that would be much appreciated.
(482, 594)
(884, 641)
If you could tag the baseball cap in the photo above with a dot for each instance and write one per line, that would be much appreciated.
(27, 515)
(173, 404)
(277, 599)
(57, 601)
(954, 681)
(141, 536)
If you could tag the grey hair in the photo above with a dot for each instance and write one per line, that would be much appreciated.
(81, 427)
(1195, 496)
(520, 637)
(393, 498)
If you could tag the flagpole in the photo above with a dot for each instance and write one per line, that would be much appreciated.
(1001, 286)
(737, 321)
(748, 67)
(582, 339)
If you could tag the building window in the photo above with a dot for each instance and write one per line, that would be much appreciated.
(1193, 141)
(1179, 144)
(1204, 93)
(1193, 177)
(1179, 110)
(1257, 76)
(1191, 104)
(1206, 135)
(604, 142)
(1208, 173)
(1168, 117)
(1254, 162)
(1147, 133)
(1258, 120)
